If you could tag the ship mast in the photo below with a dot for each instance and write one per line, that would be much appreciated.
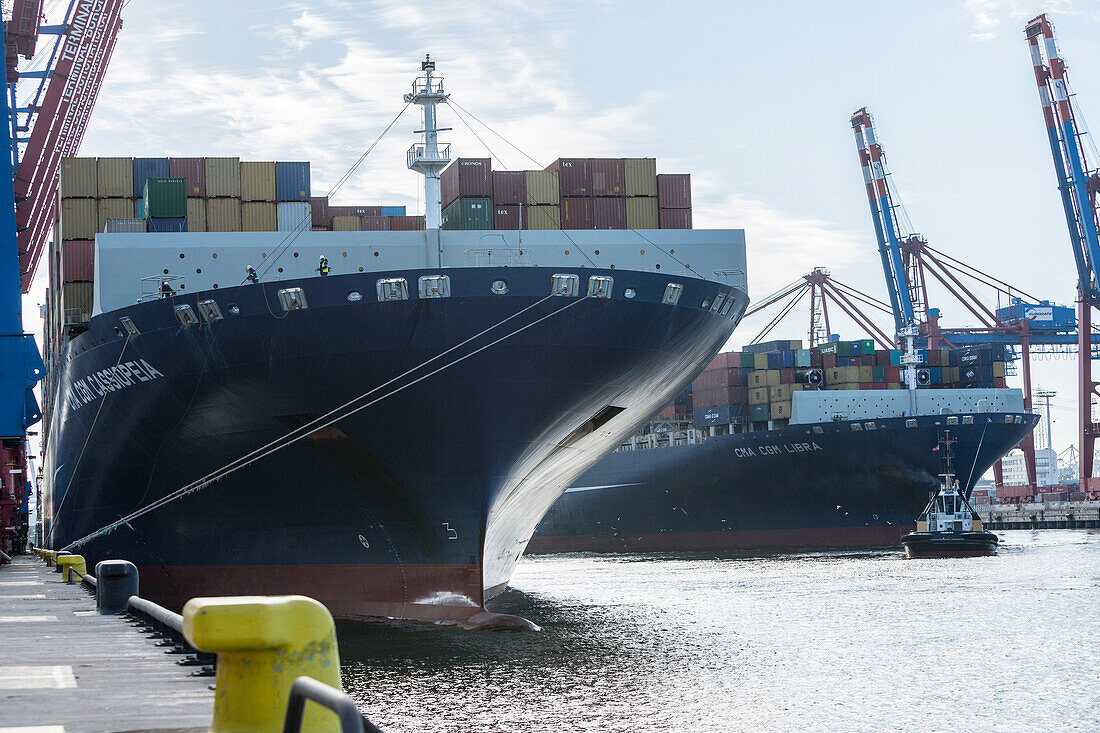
(427, 158)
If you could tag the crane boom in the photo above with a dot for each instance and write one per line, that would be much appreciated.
(1077, 185)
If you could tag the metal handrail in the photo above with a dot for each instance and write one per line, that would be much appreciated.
(307, 688)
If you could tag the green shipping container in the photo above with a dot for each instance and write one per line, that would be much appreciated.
(831, 347)
(542, 188)
(878, 374)
(165, 198)
(641, 213)
(867, 346)
(471, 213)
(760, 412)
(748, 360)
(641, 177)
(895, 357)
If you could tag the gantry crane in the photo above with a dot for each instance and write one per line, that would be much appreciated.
(1078, 185)
(46, 119)
(908, 261)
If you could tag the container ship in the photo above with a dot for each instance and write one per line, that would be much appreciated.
(778, 448)
(376, 414)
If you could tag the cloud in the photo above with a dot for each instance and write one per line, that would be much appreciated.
(989, 17)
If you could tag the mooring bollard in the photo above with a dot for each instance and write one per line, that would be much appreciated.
(263, 644)
(57, 559)
(115, 582)
(49, 556)
(68, 563)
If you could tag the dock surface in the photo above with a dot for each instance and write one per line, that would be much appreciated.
(65, 668)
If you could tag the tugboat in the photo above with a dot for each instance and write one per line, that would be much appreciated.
(949, 526)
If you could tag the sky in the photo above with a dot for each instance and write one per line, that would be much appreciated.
(752, 99)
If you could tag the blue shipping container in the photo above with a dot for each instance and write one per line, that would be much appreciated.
(775, 361)
(168, 225)
(802, 358)
(393, 211)
(786, 357)
(935, 375)
(292, 181)
(148, 168)
(139, 209)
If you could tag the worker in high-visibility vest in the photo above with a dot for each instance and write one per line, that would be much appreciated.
(250, 275)
(322, 266)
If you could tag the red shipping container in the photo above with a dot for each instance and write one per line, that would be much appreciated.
(319, 211)
(786, 376)
(674, 218)
(576, 213)
(467, 177)
(375, 223)
(982, 500)
(194, 170)
(882, 358)
(674, 191)
(509, 217)
(609, 213)
(893, 374)
(574, 178)
(828, 361)
(405, 223)
(354, 211)
(878, 385)
(78, 260)
(509, 187)
(999, 382)
(608, 179)
(815, 359)
(980, 492)
(725, 360)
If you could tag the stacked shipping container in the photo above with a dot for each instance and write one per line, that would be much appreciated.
(571, 193)
(756, 384)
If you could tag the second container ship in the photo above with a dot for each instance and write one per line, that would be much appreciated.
(794, 449)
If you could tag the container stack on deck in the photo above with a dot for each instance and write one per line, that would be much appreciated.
(571, 193)
(756, 385)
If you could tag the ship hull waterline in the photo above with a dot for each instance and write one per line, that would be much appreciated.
(415, 507)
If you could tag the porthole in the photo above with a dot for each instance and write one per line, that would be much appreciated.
(641, 251)
(198, 270)
(613, 267)
(215, 255)
(263, 255)
(375, 254)
(280, 269)
(166, 272)
(630, 292)
(500, 287)
(182, 255)
(672, 251)
(597, 252)
(215, 286)
(234, 309)
(354, 296)
(343, 254)
(361, 269)
(657, 267)
(295, 254)
(567, 252)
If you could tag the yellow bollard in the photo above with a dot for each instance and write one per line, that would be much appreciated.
(263, 644)
(50, 557)
(69, 563)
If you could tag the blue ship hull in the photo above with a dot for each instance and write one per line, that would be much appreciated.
(804, 487)
(417, 506)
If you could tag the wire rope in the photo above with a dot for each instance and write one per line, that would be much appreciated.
(326, 421)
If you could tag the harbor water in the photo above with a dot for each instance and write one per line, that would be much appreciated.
(835, 641)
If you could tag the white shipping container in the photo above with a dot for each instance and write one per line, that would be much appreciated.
(294, 215)
(116, 226)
